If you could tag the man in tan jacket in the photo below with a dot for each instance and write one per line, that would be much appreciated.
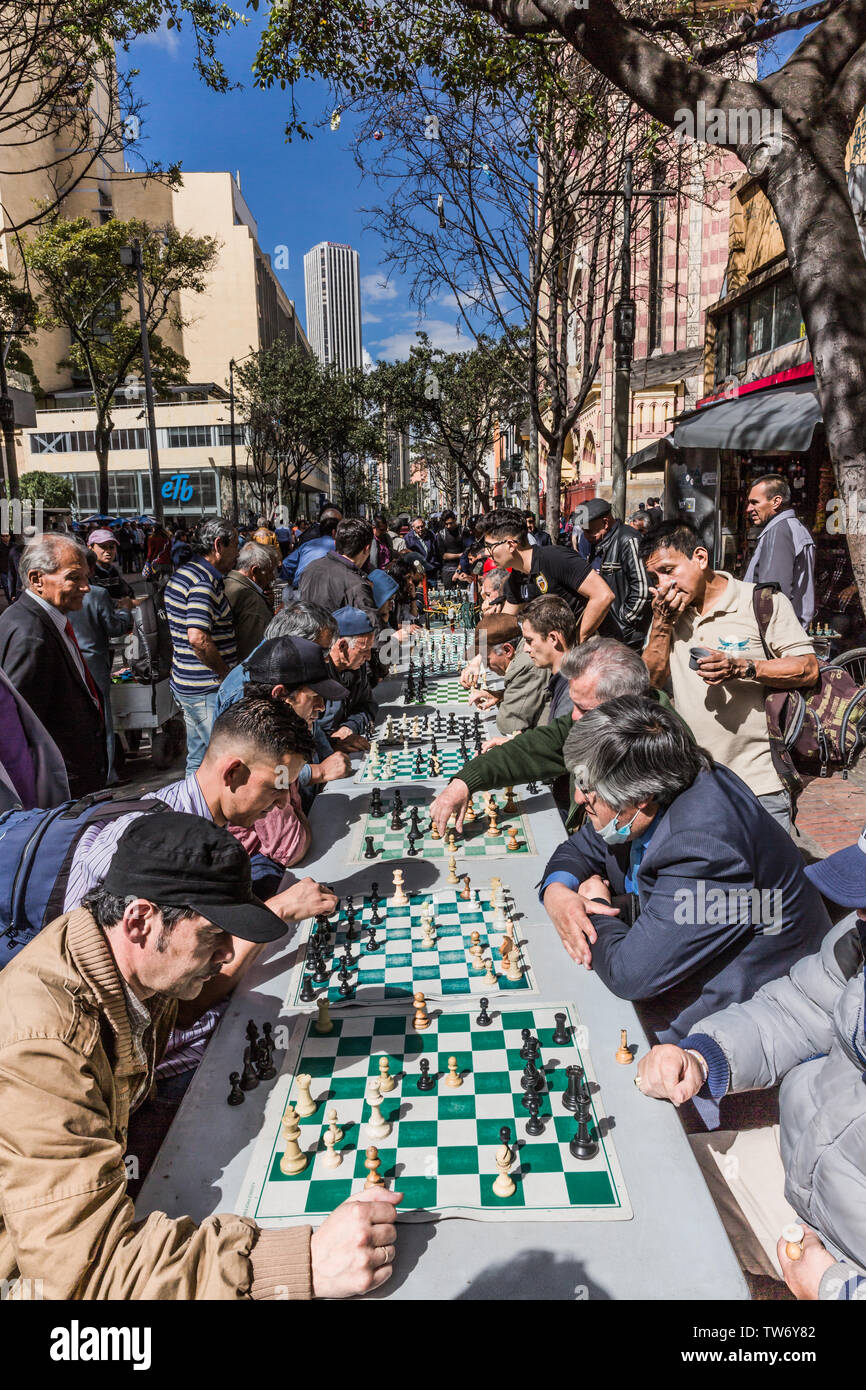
(85, 1012)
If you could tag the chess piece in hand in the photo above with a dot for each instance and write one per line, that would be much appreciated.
(803, 1276)
(306, 898)
(669, 1073)
(354, 1248)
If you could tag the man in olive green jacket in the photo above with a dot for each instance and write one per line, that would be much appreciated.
(85, 1012)
(248, 588)
(597, 670)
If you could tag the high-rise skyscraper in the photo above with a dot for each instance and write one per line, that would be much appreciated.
(333, 286)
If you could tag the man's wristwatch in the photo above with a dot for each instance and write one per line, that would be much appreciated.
(750, 672)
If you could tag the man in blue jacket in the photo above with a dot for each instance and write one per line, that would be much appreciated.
(717, 891)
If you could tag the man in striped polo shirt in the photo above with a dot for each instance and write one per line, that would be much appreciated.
(202, 632)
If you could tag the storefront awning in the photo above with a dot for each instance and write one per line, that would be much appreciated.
(649, 459)
(781, 420)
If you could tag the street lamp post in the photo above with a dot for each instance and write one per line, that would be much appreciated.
(624, 331)
(234, 463)
(131, 255)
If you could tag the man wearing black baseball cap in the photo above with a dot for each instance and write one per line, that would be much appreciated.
(85, 1012)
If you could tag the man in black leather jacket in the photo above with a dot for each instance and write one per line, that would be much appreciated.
(615, 545)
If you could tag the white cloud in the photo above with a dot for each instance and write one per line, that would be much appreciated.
(366, 360)
(376, 288)
(166, 39)
(442, 335)
(372, 318)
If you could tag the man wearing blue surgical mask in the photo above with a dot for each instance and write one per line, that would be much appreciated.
(712, 897)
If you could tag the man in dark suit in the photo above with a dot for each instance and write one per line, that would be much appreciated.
(40, 655)
(714, 886)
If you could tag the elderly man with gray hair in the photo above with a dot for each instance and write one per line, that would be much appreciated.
(597, 670)
(40, 655)
(248, 588)
(712, 894)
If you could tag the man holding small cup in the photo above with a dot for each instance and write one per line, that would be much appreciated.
(705, 639)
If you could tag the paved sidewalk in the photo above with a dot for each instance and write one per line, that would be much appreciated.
(832, 813)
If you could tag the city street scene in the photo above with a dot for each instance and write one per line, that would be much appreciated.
(432, 667)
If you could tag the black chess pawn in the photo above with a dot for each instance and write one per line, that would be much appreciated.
(350, 906)
(434, 747)
(249, 1076)
(372, 943)
(525, 1034)
(560, 1032)
(307, 994)
(398, 800)
(236, 1095)
(396, 822)
(374, 893)
(532, 788)
(425, 1081)
(534, 1126)
(347, 961)
(351, 934)
(375, 919)
(412, 838)
(573, 1093)
(583, 1146)
(369, 852)
(345, 989)
(252, 1033)
(414, 821)
(320, 971)
(419, 762)
(484, 1019)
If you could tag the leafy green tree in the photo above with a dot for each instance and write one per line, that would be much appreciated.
(283, 400)
(404, 499)
(453, 401)
(84, 287)
(49, 488)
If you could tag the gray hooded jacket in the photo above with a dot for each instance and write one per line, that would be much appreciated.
(807, 1031)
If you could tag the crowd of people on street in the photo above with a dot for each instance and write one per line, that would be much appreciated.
(624, 670)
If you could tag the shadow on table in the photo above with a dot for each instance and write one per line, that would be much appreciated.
(535, 1275)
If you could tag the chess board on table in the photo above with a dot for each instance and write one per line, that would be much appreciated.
(473, 842)
(401, 965)
(403, 766)
(421, 728)
(441, 1150)
(444, 691)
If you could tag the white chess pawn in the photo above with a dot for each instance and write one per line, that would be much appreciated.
(334, 1125)
(333, 1158)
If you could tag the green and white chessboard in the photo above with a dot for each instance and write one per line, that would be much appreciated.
(447, 691)
(441, 1150)
(401, 965)
(473, 842)
(403, 766)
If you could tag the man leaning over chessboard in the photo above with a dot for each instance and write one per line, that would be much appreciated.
(85, 1013)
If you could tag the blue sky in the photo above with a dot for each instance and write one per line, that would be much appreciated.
(300, 193)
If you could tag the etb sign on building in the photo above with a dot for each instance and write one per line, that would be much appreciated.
(177, 489)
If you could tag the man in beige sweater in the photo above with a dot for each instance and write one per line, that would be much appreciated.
(85, 1012)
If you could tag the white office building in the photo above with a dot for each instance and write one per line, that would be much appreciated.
(333, 287)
